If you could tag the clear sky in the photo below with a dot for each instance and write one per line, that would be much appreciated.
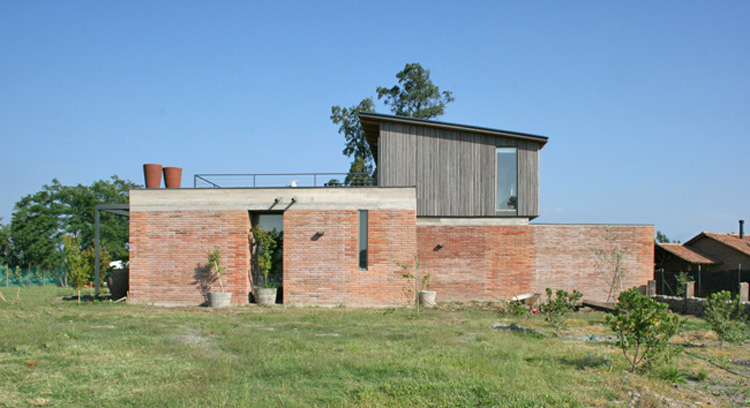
(646, 104)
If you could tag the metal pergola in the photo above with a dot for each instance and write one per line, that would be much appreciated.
(119, 209)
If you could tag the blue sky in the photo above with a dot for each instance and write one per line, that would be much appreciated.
(646, 104)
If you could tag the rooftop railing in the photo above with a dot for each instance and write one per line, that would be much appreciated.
(282, 180)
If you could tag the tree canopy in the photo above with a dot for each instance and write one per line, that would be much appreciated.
(39, 220)
(414, 96)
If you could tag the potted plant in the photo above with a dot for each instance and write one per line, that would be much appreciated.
(265, 294)
(426, 296)
(222, 298)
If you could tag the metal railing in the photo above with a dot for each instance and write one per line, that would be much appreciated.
(282, 180)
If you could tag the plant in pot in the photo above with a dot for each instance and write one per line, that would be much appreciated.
(426, 296)
(222, 298)
(265, 294)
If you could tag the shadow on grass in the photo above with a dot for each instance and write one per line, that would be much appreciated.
(87, 298)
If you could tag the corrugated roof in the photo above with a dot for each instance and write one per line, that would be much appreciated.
(687, 254)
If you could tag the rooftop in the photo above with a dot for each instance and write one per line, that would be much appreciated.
(371, 125)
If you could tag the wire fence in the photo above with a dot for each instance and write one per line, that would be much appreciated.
(706, 282)
(10, 276)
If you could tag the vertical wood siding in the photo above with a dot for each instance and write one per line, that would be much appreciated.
(454, 171)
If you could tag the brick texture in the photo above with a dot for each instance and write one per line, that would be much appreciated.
(169, 250)
(323, 270)
(566, 257)
(491, 262)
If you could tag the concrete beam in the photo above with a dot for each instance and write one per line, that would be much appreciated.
(274, 199)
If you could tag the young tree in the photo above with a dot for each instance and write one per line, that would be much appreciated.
(79, 271)
(556, 311)
(726, 316)
(644, 327)
(610, 263)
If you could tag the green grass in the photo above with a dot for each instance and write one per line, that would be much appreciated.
(56, 353)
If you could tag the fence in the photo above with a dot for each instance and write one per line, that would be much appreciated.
(31, 276)
(706, 282)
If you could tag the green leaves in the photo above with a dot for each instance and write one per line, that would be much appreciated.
(40, 219)
(415, 95)
(644, 327)
(267, 242)
(556, 310)
(726, 316)
(214, 262)
(79, 270)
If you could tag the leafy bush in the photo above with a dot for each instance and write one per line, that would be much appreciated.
(267, 243)
(726, 317)
(556, 311)
(644, 327)
(214, 263)
(682, 278)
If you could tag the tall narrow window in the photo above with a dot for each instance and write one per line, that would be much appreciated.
(362, 240)
(507, 181)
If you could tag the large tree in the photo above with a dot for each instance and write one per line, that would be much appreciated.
(40, 219)
(6, 247)
(414, 96)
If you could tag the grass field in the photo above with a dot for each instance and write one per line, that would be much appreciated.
(56, 353)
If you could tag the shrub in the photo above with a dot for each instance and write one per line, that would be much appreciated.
(682, 278)
(726, 317)
(267, 243)
(644, 327)
(556, 311)
(214, 263)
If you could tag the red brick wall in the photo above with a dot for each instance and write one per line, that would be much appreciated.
(566, 257)
(323, 270)
(167, 249)
(476, 263)
(491, 262)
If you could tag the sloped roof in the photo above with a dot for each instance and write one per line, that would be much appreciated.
(371, 125)
(731, 240)
(687, 254)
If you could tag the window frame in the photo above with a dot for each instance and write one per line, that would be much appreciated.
(501, 211)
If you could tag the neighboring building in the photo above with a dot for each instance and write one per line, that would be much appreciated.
(458, 199)
(714, 261)
(710, 251)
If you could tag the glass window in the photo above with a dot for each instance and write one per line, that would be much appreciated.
(270, 221)
(362, 239)
(507, 181)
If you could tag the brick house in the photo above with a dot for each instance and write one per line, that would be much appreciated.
(457, 198)
(715, 261)
(710, 250)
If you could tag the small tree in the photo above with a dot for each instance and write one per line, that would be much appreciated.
(410, 290)
(726, 317)
(79, 271)
(267, 243)
(681, 278)
(556, 311)
(644, 327)
(609, 262)
(214, 264)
